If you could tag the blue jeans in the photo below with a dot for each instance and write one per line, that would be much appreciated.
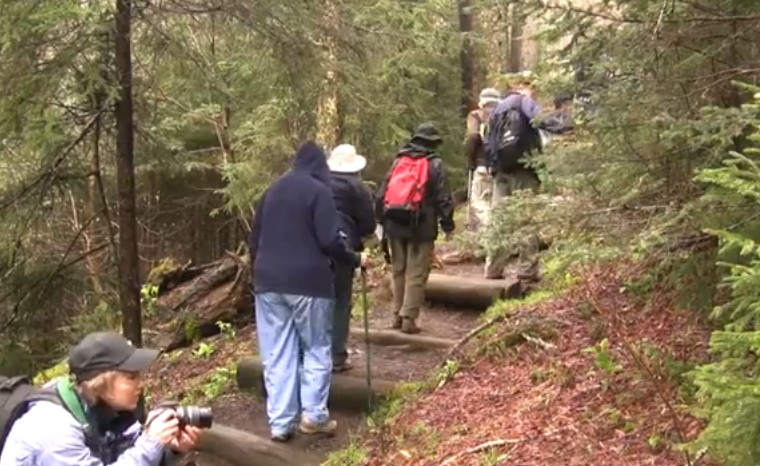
(294, 337)
(344, 283)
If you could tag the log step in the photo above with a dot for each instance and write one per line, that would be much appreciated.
(396, 338)
(346, 392)
(240, 448)
(470, 292)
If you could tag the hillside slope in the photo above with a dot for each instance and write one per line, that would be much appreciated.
(597, 380)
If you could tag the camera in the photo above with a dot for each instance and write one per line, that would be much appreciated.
(196, 416)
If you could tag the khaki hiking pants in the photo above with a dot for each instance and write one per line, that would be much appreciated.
(505, 184)
(480, 195)
(410, 263)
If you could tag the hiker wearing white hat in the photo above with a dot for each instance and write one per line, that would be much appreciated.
(357, 220)
(344, 159)
(479, 183)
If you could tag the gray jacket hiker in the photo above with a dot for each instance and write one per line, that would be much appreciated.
(48, 435)
(62, 429)
(523, 177)
(411, 243)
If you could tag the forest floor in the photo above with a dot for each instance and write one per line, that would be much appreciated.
(595, 376)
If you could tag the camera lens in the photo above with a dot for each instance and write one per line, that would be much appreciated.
(195, 416)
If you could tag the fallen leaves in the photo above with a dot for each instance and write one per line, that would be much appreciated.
(547, 403)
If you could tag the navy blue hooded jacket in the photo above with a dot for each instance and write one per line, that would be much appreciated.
(295, 235)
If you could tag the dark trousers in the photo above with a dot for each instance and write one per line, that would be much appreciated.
(344, 282)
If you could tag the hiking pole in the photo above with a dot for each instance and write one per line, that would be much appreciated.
(365, 307)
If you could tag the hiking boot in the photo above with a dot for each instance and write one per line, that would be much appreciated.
(282, 438)
(310, 428)
(397, 323)
(409, 326)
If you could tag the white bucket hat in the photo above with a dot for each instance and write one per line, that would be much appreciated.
(344, 159)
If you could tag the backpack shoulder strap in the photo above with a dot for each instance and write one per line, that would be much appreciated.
(64, 389)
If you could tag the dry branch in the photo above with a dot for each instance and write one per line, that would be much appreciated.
(478, 449)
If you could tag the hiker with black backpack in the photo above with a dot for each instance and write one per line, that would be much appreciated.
(412, 200)
(512, 138)
(93, 416)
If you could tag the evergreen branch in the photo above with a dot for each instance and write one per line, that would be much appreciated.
(632, 20)
(48, 174)
(60, 267)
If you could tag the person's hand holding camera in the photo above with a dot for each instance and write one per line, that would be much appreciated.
(162, 426)
(187, 440)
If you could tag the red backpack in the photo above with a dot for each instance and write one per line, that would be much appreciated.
(406, 189)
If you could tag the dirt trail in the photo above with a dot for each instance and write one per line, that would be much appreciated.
(244, 411)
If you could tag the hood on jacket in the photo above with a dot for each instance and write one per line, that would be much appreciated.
(311, 159)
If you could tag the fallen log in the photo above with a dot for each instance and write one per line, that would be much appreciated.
(204, 283)
(191, 310)
(347, 392)
(394, 338)
(477, 293)
(168, 274)
(240, 448)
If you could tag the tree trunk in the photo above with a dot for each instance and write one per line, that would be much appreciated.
(129, 278)
(328, 121)
(515, 39)
(91, 205)
(466, 56)
(493, 25)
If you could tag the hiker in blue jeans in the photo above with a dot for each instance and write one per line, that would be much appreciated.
(357, 220)
(295, 240)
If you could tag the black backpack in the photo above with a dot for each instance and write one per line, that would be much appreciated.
(16, 393)
(510, 137)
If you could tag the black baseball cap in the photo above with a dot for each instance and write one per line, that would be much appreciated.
(101, 352)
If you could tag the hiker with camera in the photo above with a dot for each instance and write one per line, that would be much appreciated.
(412, 200)
(92, 418)
(513, 136)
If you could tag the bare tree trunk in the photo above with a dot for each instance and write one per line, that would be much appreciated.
(515, 39)
(91, 209)
(493, 24)
(129, 277)
(466, 57)
(328, 122)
